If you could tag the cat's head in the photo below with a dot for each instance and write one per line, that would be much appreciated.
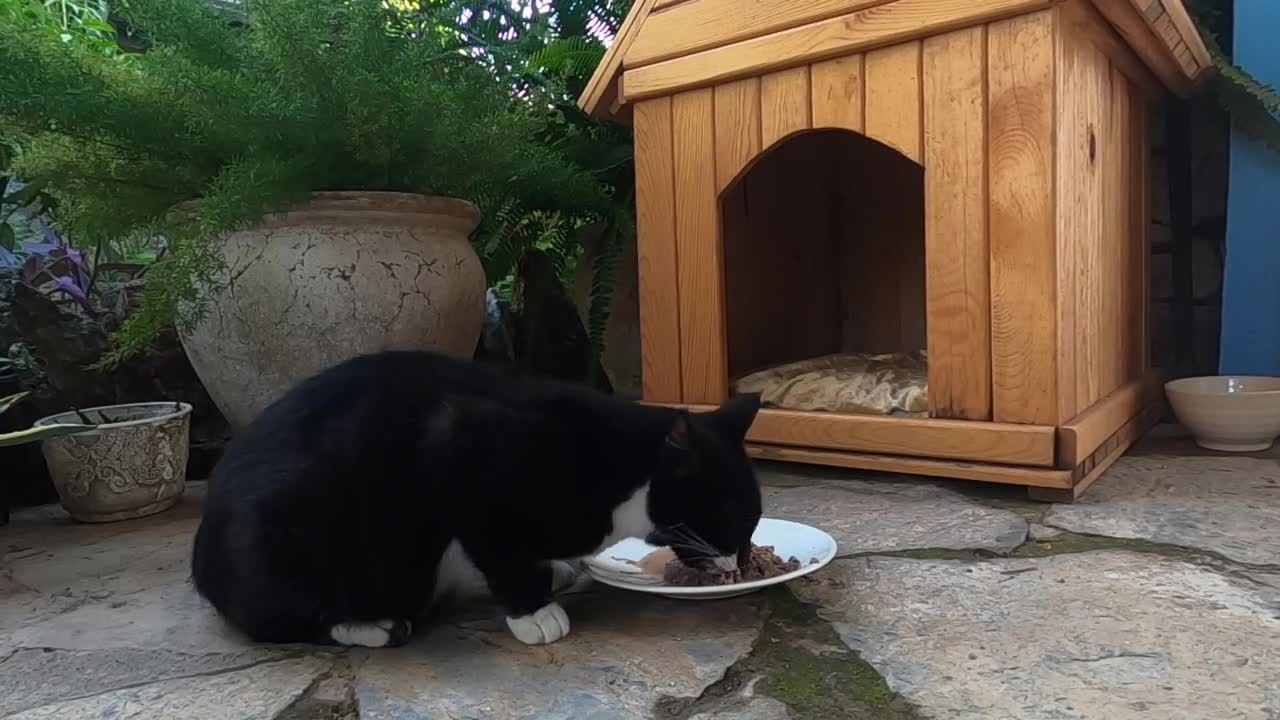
(704, 498)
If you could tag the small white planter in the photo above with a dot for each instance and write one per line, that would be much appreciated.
(131, 465)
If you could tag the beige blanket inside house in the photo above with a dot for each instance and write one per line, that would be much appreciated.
(858, 383)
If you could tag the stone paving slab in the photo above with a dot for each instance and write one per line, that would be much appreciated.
(883, 514)
(624, 654)
(262, 691)
(32, 677)
(1111, 635)
(100, 621)
(1225, 505)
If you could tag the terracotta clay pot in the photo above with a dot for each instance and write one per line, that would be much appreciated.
(346, 274)
(133, 464)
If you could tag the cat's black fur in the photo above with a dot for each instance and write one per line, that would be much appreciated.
(336, 503)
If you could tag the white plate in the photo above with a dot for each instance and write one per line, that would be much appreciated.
(788, 539)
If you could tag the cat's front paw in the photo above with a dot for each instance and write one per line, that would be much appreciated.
(546, 625)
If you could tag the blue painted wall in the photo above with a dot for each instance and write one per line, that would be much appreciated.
(1251, 284)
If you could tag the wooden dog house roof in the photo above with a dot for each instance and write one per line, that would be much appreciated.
(667, 46)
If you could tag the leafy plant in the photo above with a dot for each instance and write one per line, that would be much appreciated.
(35, 434)
(1254, 106)
(250, 117)
(546, 50)
(58, 270)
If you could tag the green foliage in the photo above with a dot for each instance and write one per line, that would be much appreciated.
(1254, 106)
(547, 51)
(85, 23)
(247, 118)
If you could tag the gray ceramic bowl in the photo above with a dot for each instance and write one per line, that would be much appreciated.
(1233, 413)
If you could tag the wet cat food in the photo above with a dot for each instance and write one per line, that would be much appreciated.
(763, 563)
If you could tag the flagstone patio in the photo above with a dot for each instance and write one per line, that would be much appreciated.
(1155, 596)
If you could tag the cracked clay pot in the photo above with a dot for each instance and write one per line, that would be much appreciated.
(347, 273)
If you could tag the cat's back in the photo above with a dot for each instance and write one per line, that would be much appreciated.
(365, 413)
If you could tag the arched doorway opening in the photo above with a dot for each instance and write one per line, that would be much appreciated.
(824, 267)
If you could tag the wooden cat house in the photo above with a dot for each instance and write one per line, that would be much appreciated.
(920, 228)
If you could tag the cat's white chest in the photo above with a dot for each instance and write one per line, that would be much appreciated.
(630, 519)
(457, 576)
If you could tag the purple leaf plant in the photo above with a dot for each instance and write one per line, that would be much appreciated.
(54, 266)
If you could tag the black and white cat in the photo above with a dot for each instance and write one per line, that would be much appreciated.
(365, 494)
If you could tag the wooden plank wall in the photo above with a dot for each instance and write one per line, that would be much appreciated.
(1031, 207)
(704, 367)
(959, 273)
(1024, 341)
(1102, 213)
(656, 252)
(1103, 217)
(794, 256)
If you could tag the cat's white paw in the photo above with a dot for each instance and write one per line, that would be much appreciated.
(546, 625)
(563, 574)
(376, 634)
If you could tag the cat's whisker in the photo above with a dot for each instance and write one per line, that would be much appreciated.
(694, 541)
(703, 551)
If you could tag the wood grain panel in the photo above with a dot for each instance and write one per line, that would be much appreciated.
(656, 252)
(862, 30)
(981, 472)
(1024, 333)
(838, 93)
(1083, 434)
(703, 24)
(1177, 12)
(602, 92)
(1139, 35)
(957, 253)
(1083, 147)
(1091, 470)
(701, 269)
(1079, 18)
(1117, 334)
(893, 112)
(1142, 219)
(738, 140)
(784, 104)
(949, 439)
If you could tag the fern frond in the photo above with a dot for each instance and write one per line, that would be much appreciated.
(1253, 106)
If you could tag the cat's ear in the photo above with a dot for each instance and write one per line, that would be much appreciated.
(734, 418)
(678, 435)
(678, 456)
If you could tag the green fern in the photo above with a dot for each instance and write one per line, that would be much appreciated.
(248, 118)
(574, 56)
(1253, 106)
(604, 277)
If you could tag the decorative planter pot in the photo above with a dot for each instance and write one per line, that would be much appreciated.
(132, 465)
(348, 273)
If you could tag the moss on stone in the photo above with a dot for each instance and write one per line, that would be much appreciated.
(814, 683)
(799, 660)
(938, 554)
(1069, 543)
